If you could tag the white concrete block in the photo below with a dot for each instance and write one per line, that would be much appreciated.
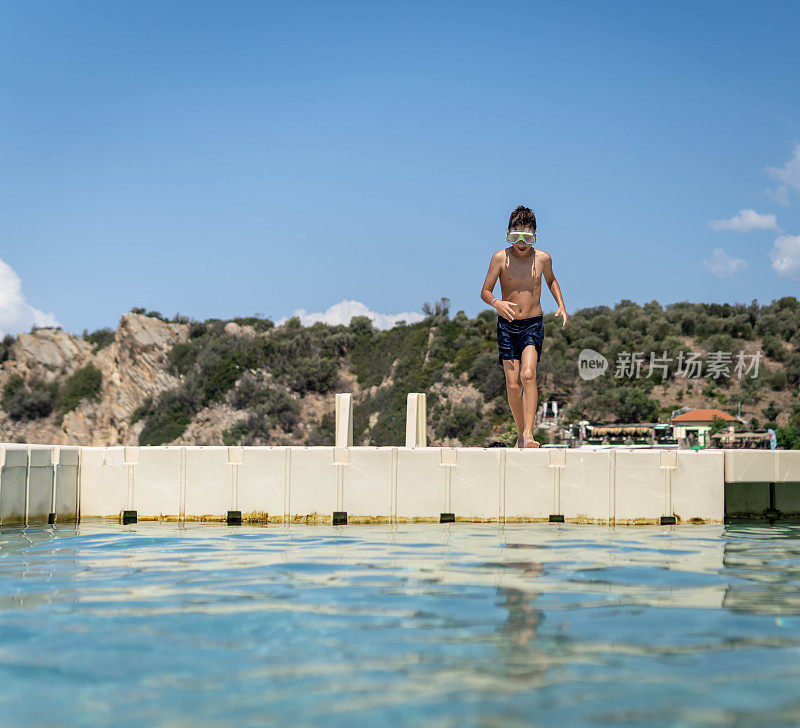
(668, 458)
(102, 481)
(416, 420)
(475, 483)
(14, 485)
(751, 466)
(156, 489)
(529, 484)
(313, 487)
(449, 456)
(699, 486)
(788, 466)
(94, 457)
(261, 481)
(639, 486)
(344, 420)
(368, 483)
(208, 481)
(420, 483)
(66, 484)
(40, 483)
(585, 485)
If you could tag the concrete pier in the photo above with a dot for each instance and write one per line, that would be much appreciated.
(345, 484)
(395, 484)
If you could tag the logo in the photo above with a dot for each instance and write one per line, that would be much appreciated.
(591, 364)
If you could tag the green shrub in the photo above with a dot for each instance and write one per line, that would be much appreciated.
(247, 393)
(258, 323)
(717, 424)
(314, 374)
(219, 364)
(142, 410)
(84, 384)
(771, 346)
(254, 430)
(282, 408)
(721, 342)
(182, 357)
(5, 347)
(488, 376)
(169, 419)
(13, 385)
(23, 403)
(465, 357)
(278, 410)
(100, 339)
(541, 436)
(788, 437)
(771, 412)
(777, 380)
(323, 434)
(792, 367)
(458, 422)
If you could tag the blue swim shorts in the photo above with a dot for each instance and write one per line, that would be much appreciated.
(514, 336)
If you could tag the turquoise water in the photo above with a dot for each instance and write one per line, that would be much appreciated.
(420, 625)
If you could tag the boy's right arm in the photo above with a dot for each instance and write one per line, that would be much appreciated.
(503, 308)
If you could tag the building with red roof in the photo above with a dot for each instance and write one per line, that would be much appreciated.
(693, 426)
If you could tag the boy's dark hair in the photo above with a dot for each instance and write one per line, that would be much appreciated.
(522, 217)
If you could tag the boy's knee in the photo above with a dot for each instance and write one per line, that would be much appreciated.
(513, 385)
(528, 376)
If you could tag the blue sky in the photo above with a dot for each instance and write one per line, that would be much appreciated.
(223, 159)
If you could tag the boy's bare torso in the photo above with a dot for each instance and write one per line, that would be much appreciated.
(521, 279)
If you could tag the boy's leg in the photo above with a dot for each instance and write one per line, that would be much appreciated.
(530, 395)
(511, 367)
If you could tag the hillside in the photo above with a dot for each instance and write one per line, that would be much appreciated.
(247, 381)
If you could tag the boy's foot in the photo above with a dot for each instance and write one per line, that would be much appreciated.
(520, 441)
(530, 442)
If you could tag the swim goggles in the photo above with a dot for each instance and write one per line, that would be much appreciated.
(515, 236)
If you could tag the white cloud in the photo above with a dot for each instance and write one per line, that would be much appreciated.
(16, 314)
(785, 255)
(746, 220)
(779, 195)
(342, 312)
(723, 265)
(788, 175)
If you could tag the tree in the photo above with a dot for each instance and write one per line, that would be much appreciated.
(439, 309)
(771, 412)
(716, 425)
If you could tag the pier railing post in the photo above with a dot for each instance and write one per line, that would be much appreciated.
(235, 460)
(416, 421)
(558, 461)
(344, 439)
(449, 460)
(130, 457)
(55, 459)
(668, 463)
(344, 420)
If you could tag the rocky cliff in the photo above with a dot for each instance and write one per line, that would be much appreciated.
(133, 368)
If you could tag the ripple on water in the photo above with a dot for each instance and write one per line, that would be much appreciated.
(426, 624)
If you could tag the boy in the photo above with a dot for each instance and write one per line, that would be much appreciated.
(520, 331)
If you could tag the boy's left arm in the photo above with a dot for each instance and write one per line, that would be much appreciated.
(555, 289)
